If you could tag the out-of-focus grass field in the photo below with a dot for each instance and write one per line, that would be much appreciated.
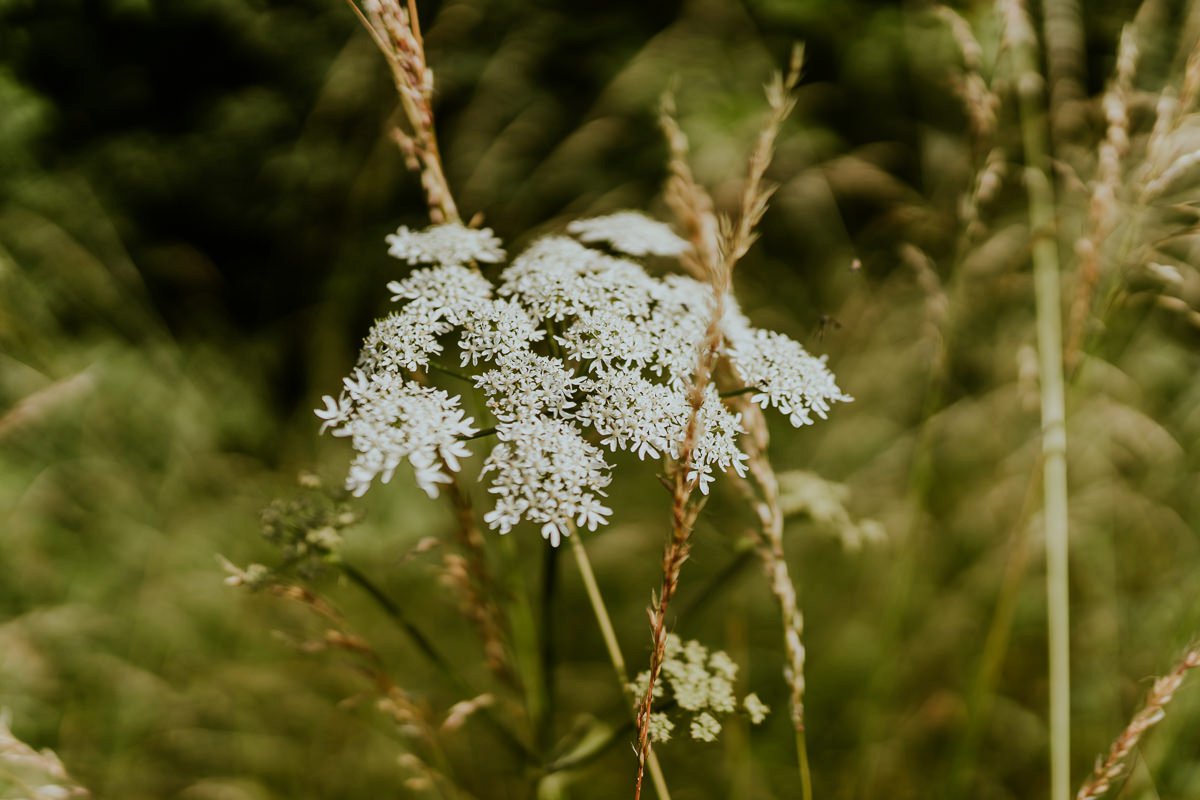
(195, 195)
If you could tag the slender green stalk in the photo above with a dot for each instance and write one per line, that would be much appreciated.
(427, 649)
(453, 373)
(549, 590)
(524, 636)
(1054, 433)
(801, 739)
(393, 611)
(609, 634)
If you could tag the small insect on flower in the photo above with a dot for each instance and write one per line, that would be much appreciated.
(825, 324)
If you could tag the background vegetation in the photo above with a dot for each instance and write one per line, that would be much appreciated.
(194, 198)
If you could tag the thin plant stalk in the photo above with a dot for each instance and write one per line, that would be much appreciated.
(427, 649)
(545, 724)
(1113, 766)
(765, 502)
(718, 243)
(396, 31)
(609, 634)
(524, 635)
(1050, 359)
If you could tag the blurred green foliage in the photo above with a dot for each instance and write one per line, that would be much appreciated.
(195, 194)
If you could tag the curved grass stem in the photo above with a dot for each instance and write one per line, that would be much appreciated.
(389, 607)
(609, 634)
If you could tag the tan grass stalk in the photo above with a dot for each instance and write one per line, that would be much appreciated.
(396, 31)
(1066, 61)
(1104, 211)
(765, 503)
(980, 102)
(1160, 695)
(1022, 43)
(717, 243)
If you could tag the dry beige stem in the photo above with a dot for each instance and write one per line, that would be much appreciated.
(980, 102)
(397, 33)
(766, 505)
(1161, 694)
(1103, 208)
(718, 243)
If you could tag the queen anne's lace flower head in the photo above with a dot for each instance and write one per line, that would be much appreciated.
(677, 325)
(498, 330)
(630, 232)
(451, 244)
(558, 278)
(403, 340)
(631, 413)
(577, 344)
(718, 442)
(602, 337)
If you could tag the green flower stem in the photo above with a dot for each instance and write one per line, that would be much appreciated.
(436, 367)
(1043, 231)
(609, 634)
(549, 590)
(524, 635)
(425, 646)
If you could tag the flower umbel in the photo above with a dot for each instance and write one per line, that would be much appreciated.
(631, 232)
(581, 352)
(451, 244)
(389, 420)
(701, 684)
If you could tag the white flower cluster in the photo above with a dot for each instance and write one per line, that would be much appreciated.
(452, 244)
(701, 683)
(787, 377)
(547, 473)
(632, 233)
(572, 343)
(388, 420)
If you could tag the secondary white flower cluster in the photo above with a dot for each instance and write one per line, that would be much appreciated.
(701, 683)
(452, 244)
(574, 350)
(632, 233)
